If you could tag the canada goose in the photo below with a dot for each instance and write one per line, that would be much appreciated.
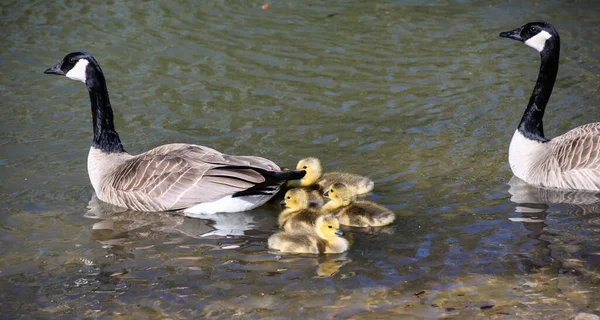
(297, 214)
(325, 238)
(317, 179)
(186, 177)
(569, 161)
(355, 213)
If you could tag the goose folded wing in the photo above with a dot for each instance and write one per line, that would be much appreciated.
(178, 182)
(578, 159)
(204, 155)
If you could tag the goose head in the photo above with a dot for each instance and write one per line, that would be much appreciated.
(79, 66)
(539, 35)
(339, 193)
(328, 227)
(313, 169)
(296, 199)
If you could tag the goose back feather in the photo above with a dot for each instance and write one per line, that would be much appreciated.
(569, 161)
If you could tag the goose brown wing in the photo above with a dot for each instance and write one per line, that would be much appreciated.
(178, 176)
(577, 157)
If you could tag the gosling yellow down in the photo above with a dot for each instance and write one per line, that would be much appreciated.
(317, 179)
(324, 238)
(297, 214)
(355, 213)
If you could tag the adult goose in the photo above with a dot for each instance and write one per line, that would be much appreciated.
(569, 161)
(180, 176)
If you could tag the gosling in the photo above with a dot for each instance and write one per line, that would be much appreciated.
(355, 213)
(297, 214)
(315, 197)
(317, 179)
(324, 238)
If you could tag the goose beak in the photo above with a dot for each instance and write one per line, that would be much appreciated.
(55, 70)
(282, 203)
(326, 194)
(513, 34)
(339, 232)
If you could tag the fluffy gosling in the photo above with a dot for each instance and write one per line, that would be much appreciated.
(315, 177)
(297, 214)
(315, 196)
(324, 238)
(355, 213)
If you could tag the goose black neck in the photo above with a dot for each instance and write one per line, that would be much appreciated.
(105, 136)
(532, 125)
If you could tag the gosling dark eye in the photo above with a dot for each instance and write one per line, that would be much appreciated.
(533, 29)
(330, 227)
(304, 167)
(331, 191)
(288, 197)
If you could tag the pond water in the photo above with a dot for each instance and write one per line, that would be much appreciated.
(421, 97)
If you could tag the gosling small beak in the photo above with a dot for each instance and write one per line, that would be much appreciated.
(55, 70)
(339, 232)
(282, 203)
(326, 194)
(513, 34)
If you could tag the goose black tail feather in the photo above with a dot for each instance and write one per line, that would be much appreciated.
(289, 174)
(273, 180)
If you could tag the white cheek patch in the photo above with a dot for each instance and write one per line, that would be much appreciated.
(78, 71)
(538, 41)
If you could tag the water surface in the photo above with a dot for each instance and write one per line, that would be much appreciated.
(422, 98)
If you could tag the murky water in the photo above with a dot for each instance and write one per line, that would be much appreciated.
(423, 98)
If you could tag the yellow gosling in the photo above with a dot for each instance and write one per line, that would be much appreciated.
(297, 214)
(316, 178)
(355, 213)
(315, 196)
(324, 238)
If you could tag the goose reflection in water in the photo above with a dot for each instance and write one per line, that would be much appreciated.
(566, 223)
(120, 220)
(533, 199)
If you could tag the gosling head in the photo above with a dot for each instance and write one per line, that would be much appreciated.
(328, 227)
(79, 66)
(313, 169)
(296, 199)
(339, 193)
(539, 35)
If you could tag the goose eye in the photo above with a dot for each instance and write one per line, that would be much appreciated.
(331, 191)
(304, 167)
(71, 60)
(533, 29)
(330, 227)
(288, 197)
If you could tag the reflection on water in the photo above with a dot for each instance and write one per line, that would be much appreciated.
(574, 250)
(118, 220)
(578, 201)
